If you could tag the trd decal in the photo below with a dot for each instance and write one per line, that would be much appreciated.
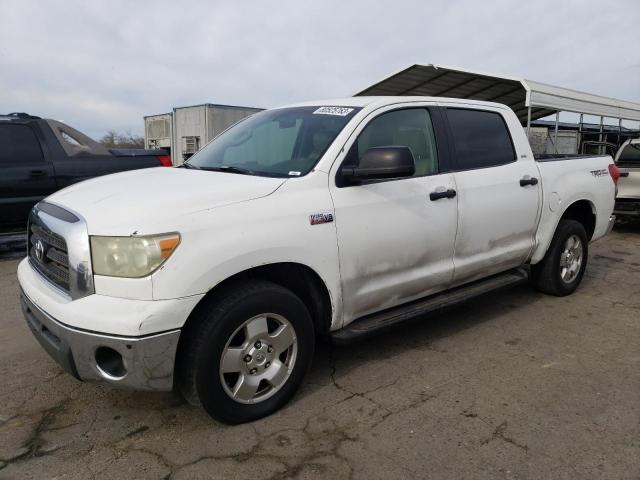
(318, 218)
(599, 173)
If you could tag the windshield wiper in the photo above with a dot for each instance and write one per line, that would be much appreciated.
(188, 165)
(230, 169)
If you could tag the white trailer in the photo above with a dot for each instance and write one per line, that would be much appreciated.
(195, 126)
(157, 131)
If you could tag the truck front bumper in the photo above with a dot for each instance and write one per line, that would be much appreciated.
(141, 363)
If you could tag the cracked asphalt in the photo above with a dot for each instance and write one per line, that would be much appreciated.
(513, 385)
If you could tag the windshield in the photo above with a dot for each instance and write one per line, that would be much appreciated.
(285, 142)
(630, 156)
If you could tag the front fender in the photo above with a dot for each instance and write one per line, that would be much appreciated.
(220, 243)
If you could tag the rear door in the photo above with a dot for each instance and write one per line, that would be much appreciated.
(498, 193)
(395, 243)
(25, 176)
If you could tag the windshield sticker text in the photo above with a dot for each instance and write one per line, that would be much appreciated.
(340, 111)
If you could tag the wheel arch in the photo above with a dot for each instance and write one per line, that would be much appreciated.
(581, 210)
(301, 279)
(584, 212)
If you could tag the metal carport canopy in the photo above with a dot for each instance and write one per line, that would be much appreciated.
(517, 93)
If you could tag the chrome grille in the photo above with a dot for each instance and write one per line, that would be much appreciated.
(48, 236)
(48, 254)
(58, 249)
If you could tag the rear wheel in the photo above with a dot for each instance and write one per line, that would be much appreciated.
(562, 268)
(246, 352)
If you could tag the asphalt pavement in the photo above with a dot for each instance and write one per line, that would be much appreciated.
(514, 385)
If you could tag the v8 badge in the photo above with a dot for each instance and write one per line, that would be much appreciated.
(319, 218)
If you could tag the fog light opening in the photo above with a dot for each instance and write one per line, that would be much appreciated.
(110, 363)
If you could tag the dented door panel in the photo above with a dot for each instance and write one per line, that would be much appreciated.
(497, 220)
(395, 244)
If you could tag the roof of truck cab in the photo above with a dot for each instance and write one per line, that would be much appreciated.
(517, 93)
(380, 101)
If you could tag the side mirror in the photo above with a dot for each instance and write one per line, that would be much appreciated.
(380, 163)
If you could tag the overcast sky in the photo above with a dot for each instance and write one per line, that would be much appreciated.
(101, 65)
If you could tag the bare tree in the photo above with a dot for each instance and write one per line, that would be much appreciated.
(114, 139)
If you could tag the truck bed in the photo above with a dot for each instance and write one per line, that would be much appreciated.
(554, 157)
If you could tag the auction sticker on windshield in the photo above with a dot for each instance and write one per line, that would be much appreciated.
(340, 111)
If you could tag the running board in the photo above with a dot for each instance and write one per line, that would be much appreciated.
(386, 319)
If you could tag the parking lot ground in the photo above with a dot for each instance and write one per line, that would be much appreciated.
(513, 385)
(12, 244)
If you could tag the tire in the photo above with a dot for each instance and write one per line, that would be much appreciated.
(251, 324)
(557, 274)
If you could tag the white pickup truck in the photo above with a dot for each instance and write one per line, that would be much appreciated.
(628, 197)
(337, 218)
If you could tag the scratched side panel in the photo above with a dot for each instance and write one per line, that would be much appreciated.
(395, 244)
(496, 220)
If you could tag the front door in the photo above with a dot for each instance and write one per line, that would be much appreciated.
(395, 243)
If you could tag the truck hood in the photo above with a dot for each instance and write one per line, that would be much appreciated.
(141, 200)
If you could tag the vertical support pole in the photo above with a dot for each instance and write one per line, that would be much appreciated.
(579, 141)
(600, 136)
(619, 142)
(555, 133)
(529, 123)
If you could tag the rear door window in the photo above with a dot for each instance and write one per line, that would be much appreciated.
(19, 145)
(481, 138)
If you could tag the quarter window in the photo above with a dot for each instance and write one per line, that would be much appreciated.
(410, 128)
(481, 138)
(18, 144)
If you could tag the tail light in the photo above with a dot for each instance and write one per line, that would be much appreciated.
(165, 161)
(614, 172)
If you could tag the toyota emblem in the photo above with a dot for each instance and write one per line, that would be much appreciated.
(40, 250)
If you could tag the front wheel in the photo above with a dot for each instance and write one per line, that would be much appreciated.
(562, 268)
(246, 352)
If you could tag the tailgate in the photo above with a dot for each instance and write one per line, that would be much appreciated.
(629, 183)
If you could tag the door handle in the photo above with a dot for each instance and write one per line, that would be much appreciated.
(450, 193)
(38, 173)
(528, 181)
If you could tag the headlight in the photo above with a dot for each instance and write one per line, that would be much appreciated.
(131, 257)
